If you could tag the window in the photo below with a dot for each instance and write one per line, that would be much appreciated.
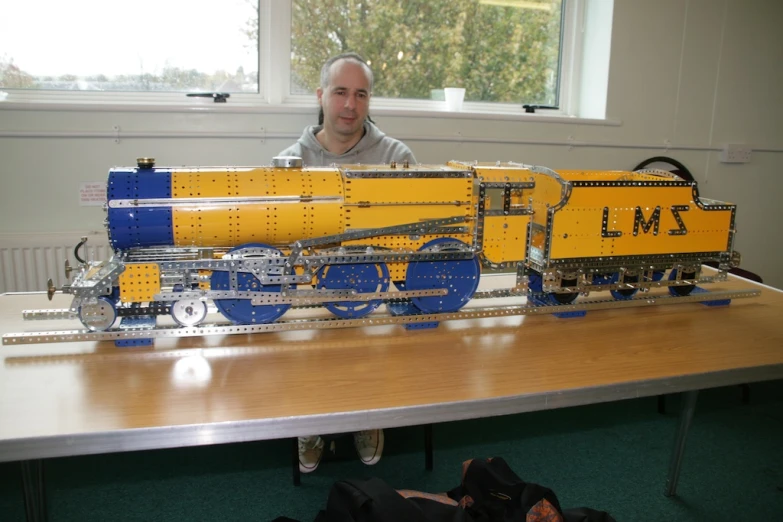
(505, 53)
(131, 45)
(498, 50)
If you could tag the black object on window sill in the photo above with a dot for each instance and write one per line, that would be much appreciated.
(217, 97)
(532, 108)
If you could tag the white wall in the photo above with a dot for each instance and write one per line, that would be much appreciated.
(693, 74)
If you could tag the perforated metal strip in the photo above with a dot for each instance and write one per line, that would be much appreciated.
(374, 320)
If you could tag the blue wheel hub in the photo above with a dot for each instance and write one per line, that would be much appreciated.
(363, 277)
(242, 311)
(459, 276)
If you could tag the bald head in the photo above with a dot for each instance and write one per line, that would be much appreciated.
(334, 61)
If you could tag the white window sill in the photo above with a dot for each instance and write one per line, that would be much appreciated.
(380, 107)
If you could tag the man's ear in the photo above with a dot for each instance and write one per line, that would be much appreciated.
(319, 93)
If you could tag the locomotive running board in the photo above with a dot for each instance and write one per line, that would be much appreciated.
(374, 320)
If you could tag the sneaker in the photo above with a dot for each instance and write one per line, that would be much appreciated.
(311, 449)
(369, 445)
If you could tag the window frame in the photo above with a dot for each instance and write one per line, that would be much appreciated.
(274, 57)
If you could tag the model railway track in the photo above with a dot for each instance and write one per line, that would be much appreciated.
(529, 308)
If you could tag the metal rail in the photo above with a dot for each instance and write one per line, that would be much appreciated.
(372, 320)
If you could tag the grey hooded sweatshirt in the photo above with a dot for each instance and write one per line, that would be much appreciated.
(375, 147)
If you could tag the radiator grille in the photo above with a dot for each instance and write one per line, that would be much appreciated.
(26, 263)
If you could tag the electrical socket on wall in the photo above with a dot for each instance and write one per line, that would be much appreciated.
(735, 153)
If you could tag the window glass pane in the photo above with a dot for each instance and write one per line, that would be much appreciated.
(498, 50)
(130, 45)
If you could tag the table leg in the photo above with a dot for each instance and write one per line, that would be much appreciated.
(33, 490)
(295, 461)
(686, 416)
(428, 447)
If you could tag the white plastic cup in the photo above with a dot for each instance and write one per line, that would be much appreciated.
(454, 98)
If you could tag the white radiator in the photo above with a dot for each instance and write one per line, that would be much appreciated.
(28, 260)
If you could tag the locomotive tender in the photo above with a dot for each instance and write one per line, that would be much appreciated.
(257, 240)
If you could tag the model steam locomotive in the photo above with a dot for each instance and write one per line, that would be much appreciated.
(256, 241)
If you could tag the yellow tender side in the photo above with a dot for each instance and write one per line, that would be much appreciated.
(276, 206)
(633, 214)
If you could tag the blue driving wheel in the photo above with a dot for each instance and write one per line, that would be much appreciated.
(242, 311)
(459, 276)
(365, 278)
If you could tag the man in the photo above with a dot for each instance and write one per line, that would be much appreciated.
(345, 136)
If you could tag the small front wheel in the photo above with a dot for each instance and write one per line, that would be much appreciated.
(98, 314)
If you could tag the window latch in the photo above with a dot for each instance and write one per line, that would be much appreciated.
(217, 97)
(532, 108)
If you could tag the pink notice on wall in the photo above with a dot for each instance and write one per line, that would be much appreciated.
(92, 193)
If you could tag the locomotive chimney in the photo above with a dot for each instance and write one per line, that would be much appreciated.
(145, 163)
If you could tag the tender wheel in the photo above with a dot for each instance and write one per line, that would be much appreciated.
(610, 279)
(363, 277)
(563, 298)
(536, 286)
(460, 277)
(681, 290)
(98, 315)
(243, 311)
(626, 293)
(189, 312)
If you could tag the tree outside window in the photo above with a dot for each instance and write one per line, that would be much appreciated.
(498, 50)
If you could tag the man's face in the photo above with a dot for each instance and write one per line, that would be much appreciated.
(346, 101)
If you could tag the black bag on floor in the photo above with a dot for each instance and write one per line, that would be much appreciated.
(491, 492)
(373, 500)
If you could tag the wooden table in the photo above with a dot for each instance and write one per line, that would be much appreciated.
(83, 398)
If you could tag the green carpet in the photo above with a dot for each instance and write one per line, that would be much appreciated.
(612, 457)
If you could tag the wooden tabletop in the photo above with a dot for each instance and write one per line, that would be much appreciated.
(88, 397)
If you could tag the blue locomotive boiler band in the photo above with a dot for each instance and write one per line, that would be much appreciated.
(139, 226)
